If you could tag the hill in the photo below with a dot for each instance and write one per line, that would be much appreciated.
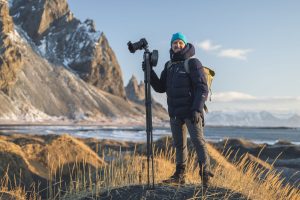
(71, 168)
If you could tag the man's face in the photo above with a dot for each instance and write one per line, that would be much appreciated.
(178, 45)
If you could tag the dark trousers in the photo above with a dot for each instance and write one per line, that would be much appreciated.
(179, 129)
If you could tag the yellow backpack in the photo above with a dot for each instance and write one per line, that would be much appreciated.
(209, 75)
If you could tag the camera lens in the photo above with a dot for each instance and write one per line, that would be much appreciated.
(137, 45)
(131, 47)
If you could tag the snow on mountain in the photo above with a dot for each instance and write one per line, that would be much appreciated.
(256, 119)
(64, 40)
(35, 85)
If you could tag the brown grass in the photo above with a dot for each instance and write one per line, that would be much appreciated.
(90, 177)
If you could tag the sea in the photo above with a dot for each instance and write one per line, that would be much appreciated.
(138, 134)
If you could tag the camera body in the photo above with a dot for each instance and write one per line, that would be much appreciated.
(143, 44)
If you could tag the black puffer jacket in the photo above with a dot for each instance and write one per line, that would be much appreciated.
(186, 92)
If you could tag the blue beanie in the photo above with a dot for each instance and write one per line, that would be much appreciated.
(179, 36)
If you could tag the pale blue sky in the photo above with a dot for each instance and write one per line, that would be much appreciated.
(254, 46)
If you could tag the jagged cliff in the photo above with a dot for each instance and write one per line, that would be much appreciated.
(136, 93)
(10, 56)
(64, 40)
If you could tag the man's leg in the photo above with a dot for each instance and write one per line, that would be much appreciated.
(179, 132)
(197, 137)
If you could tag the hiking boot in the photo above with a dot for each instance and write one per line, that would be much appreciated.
(205, 177)
(178, 177)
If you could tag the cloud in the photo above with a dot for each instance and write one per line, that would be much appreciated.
(235, 53)
(236, 101)
(239, 96)
(207, 45)
(231, 96)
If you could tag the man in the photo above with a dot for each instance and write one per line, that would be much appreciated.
(186, 94)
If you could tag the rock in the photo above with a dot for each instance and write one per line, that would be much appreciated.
(136, 93)
(63, 39)
(37, 16)
(10, 56)
(44, 90)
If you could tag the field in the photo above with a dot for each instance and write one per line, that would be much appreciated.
(64, 167)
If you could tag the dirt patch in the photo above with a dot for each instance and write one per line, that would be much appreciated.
(167, 192)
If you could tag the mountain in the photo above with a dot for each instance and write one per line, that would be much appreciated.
(256, 119)
(64, 40)
(136, 93)
(54, 67)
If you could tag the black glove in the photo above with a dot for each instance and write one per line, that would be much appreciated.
(196, 117)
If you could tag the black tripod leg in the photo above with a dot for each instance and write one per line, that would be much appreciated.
(148, 117)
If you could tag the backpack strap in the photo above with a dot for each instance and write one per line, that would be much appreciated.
(169, 64)
(186, 65)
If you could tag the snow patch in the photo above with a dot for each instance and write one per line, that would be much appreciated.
(43, 46)
(68, 37)
(66, 62)
(16, 15)
(94, 36)
(256, 119)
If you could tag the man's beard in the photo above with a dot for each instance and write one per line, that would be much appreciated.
(176, 49)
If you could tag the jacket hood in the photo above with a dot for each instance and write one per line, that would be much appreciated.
(187, 52)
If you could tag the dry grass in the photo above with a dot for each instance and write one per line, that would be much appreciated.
(244, 176)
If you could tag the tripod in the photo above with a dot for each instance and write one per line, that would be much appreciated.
(148, 105)
(150, 60)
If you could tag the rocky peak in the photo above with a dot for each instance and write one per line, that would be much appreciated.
(10, 55)
(6, 23)
(64, 40)
(91, 24)
(134, 91)
(37, 16)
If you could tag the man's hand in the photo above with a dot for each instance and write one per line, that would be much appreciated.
(196, 117)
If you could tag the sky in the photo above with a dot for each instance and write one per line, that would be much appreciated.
(253, 46)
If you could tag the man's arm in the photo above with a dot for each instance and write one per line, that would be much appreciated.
(159, 84)
(199, 84)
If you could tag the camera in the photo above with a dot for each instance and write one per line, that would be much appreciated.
(143, 44)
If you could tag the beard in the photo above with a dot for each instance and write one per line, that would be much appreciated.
(177, 49)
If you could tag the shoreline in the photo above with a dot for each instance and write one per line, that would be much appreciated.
(114, 124)
(136, 133)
